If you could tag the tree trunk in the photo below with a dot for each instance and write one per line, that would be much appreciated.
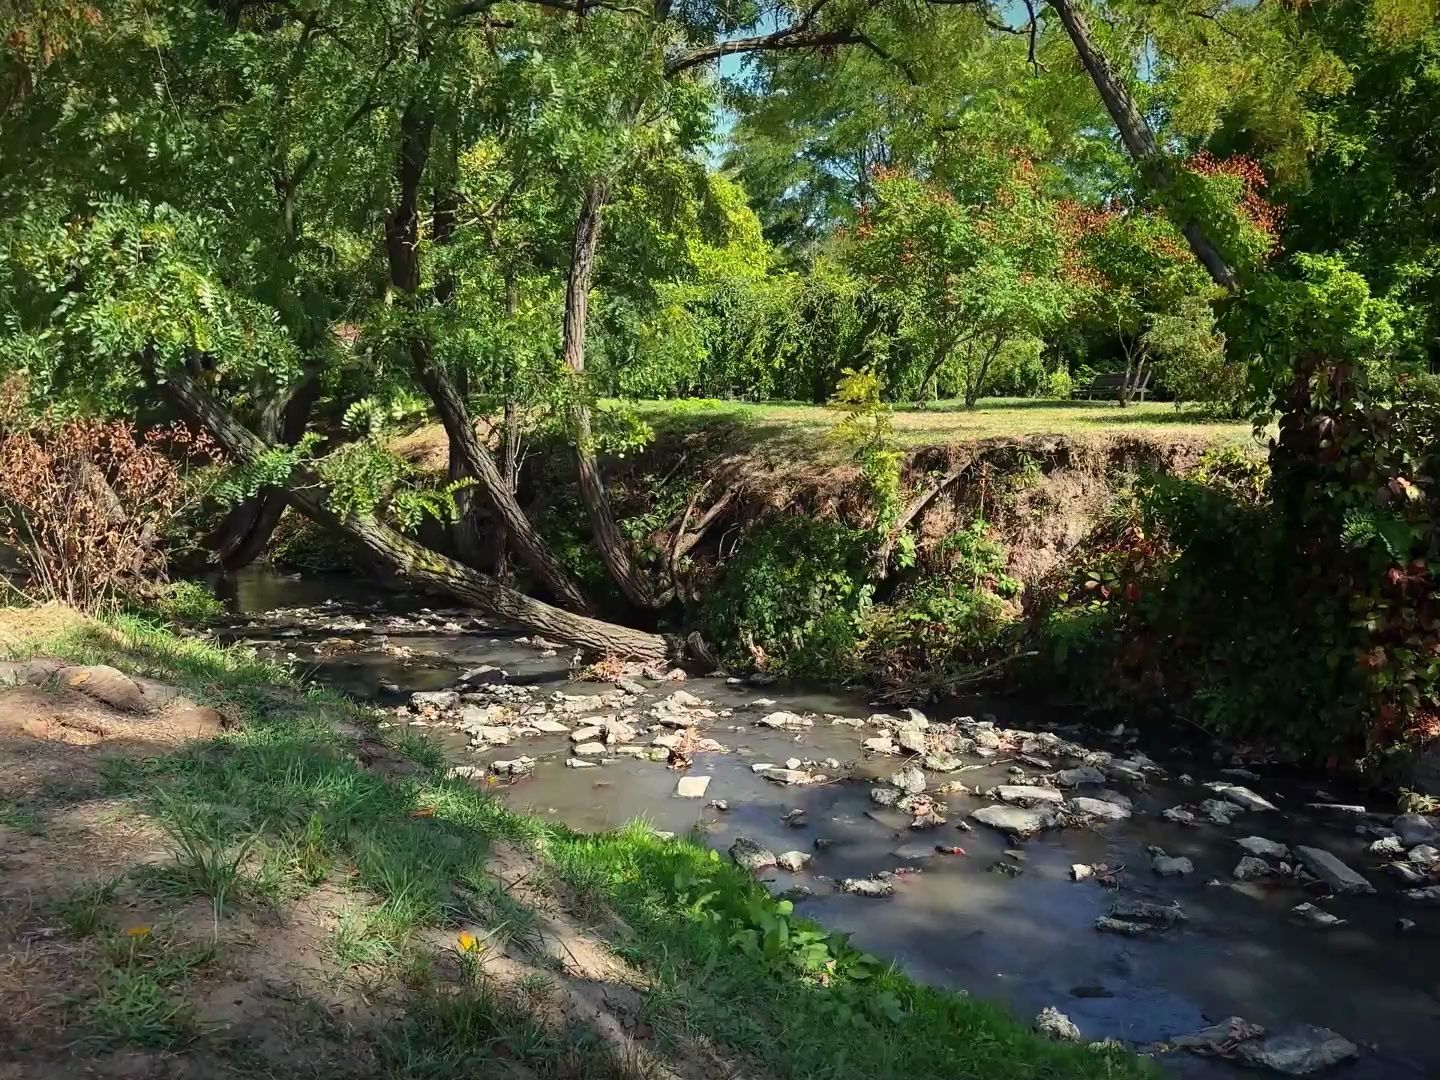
(408, 559)
(609, 541)
(1135, 133)
(510, 470)
(245, 533)
(402, 234)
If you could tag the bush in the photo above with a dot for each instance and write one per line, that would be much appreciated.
(188, 601)
(1059, 384)
(89, 505)
(793, 600)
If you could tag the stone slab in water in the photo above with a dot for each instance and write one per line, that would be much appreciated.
(692, 787)
(1298, 1051)
(1018, 821)
(1332, 871)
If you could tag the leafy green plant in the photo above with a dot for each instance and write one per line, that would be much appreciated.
(793, 598)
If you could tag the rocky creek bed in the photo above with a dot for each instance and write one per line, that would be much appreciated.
(1221, 917)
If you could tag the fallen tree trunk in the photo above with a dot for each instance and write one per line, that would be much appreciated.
(408, 559)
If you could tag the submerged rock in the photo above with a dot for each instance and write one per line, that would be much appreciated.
(1101, 809)
(1415, 829)
(1218, 1039)
(1332, 871)
(884, 796)
(1241, 796)
(1268, 849)
(1249, 868)
(1084, 774)
(1428, 895)
(1298, 1051)
(1179, 815)
(1109, 925)
(692, 787)
(794, 861)
(872, 887)
(785, 721)
(520, 766)
(1143, 911)
(1221, 812)
(1171, 865)
(749, 855)
(1316, 916)
(1053, 1023)
(909, 779)
(1020, 822)
(1028, 795)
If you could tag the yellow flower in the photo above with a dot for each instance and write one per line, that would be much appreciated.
(137, 931)
(467, 942)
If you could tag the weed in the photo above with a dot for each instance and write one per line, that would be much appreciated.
(24, 819)
(205, 859)
(133, 1008)
(83, 913)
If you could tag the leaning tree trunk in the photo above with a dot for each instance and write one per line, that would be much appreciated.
(402, 248)
(609, 541)
(407, 558)
(1135, 133)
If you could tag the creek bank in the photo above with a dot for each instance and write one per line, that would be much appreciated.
(1170, 981)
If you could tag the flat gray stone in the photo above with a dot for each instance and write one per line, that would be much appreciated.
(1316, 916)
(1241, 796)
(1084, 774)
(1332, 871)
(589, 749)
(1298, 1051)
(1101, 809)
(1028, 795)
(547, 727)
(1221, 812)
(784, 721)
(1415, 829)
(692, 787)
(1171, 865)
(1265, 849)
(1020, 822)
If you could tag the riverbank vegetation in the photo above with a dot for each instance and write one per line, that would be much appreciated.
(594, 246)
(285, 887)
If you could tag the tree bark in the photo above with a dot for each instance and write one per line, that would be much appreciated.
(610, 542)
(408, 559)
(1135, 133)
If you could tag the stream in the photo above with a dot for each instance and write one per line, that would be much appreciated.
(972, 922)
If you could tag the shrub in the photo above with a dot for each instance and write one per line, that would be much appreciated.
(793, 598)
(1059, 384)
(188, 601)
(89, 505)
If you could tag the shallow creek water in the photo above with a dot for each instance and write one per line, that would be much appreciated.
(1027, 940)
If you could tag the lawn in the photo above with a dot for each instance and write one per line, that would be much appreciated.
(949, 421)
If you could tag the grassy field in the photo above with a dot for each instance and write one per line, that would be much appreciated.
(949, 422)
(302, 896)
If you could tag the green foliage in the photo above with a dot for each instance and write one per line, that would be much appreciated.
(866, 427)
(793, 598)
(187, 602)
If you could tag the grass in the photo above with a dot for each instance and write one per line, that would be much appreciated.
(269, 810)
(945, 422)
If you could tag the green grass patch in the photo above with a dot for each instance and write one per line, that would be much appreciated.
(270, 810)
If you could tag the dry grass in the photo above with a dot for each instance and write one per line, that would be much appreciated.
(22, 626)
(807, 427)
